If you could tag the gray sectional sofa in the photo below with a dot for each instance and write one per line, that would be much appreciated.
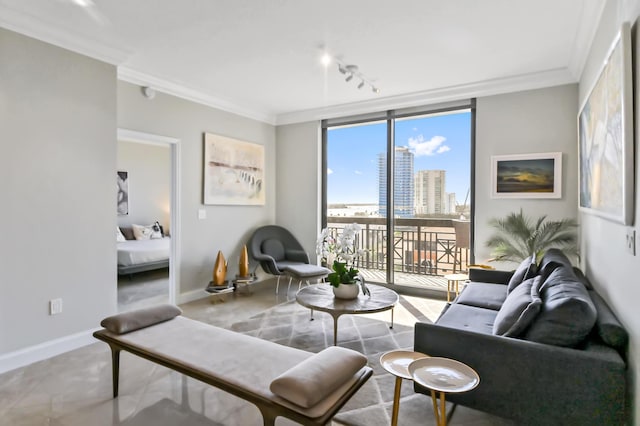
(547, 347)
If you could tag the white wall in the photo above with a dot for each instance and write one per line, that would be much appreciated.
(605, 259)
(58, 133)
(298, 180)
(226, 228)
(149, 177)
(528, 122)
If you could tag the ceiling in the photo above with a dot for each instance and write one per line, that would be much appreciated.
(261, 58)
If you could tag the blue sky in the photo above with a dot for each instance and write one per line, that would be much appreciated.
(439, 142)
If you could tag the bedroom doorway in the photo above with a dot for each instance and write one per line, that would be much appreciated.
(148, 213)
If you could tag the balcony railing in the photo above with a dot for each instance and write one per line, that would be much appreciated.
(419, 246)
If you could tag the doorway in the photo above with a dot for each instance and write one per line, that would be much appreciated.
(145, 278)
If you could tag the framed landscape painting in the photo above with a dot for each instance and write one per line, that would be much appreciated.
(605, 135)
(527, 175)
(233, 171)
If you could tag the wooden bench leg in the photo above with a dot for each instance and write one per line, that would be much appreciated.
(115, 368)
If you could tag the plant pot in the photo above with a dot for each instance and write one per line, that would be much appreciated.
(346, 291)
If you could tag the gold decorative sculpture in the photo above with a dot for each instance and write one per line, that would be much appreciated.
(243, 265)
(220, 270)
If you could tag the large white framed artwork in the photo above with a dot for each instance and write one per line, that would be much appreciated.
(233, 171)
(605, 133)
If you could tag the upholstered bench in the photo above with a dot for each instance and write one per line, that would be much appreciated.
(281, 381)
(304, 272)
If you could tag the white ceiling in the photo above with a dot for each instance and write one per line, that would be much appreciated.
(261, 58)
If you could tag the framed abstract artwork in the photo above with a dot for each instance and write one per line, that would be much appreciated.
(122, 186)
(233, 171)
(605, 137)
(527, 175)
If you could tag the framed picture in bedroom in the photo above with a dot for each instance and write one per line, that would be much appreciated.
(605, 137)
(233, 171)
(122, 185)
(527, 175)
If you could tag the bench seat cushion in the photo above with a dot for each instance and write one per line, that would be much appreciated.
(469, 318)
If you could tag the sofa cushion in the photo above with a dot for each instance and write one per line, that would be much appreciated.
(274, 248)
(483, 295)
(519, 309)
(607, 325)
(527, 269)
(552, 259)
(567, 314)
(470, 318)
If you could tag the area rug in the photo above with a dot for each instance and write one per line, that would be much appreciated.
(289, 324)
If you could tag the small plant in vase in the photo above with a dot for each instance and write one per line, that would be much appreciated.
(342, 249)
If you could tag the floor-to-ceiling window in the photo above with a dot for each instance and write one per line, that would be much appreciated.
(417, 164)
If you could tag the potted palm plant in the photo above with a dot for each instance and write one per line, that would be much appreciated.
(517, 237)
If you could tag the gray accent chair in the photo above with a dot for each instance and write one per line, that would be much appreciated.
(275, 248)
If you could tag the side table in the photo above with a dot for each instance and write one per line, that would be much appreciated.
(443, 375)
(452, 283)
(397, 363)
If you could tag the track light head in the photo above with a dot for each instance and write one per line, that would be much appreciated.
(342, 69)
(361, 84)
(375, 89)
(349, 77)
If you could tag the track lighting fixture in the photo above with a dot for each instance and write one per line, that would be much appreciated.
(349, 70)
(352, 71)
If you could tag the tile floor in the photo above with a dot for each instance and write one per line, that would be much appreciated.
(75, 388)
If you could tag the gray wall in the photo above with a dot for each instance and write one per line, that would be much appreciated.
(149, 168)
(523, 123)
(298, 180)
(58, 131)
(226, 228)
(608, 265)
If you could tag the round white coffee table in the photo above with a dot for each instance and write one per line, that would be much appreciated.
(320, 297)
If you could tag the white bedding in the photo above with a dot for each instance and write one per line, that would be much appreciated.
(135, 252)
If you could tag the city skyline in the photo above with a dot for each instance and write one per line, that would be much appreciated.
(438, 142)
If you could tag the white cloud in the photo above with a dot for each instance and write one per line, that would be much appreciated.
(329, 171)
(358, 172)
(433, 146)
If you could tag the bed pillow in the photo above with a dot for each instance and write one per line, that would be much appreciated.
(119, 235)
(149, 232)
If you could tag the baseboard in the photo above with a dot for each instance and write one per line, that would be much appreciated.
(190, 296)
(20, 358)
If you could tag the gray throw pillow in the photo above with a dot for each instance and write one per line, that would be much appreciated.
(519, 309)
(527, 269)
(568, 313)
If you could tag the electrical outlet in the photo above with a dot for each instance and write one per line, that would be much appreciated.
(55, 306)
(631, 241)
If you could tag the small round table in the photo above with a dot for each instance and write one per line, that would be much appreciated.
(320, 297)
(443, 375)
(452, 282)
(397, 363)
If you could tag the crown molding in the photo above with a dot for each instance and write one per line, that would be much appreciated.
(142, 79)
(35, 28)
(591, 15)
(530, 81)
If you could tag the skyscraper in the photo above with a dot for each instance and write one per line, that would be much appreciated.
(430, 195)
(403, 195)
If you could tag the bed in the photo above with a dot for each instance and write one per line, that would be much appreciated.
(143, 255)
